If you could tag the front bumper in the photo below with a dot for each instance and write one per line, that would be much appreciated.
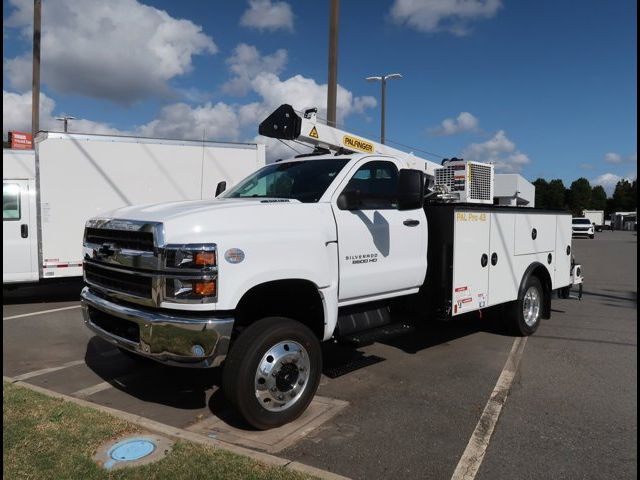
(169, 338)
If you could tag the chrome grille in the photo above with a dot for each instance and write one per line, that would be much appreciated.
(110, 279)
(128, 239)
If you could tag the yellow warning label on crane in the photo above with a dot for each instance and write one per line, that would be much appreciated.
(357, 144)
(313, 133)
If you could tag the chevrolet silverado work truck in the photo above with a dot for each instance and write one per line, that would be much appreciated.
(307, 250)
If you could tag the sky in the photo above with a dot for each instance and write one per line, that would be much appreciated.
(546, 88)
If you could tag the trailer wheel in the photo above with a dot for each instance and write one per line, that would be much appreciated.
(524, 314)
(272, 371)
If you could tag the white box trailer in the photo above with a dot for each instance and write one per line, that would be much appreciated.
(596, 217)
(50, 192)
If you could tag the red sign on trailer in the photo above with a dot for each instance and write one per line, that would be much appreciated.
(21, 140)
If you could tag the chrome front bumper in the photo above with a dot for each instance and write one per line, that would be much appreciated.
(172, 339)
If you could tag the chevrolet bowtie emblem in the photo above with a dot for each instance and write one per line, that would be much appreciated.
(106, 250)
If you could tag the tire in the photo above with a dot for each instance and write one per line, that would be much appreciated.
(591, 237)
(530, 294)
(272, 371)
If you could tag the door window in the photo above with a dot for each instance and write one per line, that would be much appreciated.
(10, 201)
(376, 184)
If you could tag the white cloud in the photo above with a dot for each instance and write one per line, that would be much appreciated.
(464, 122)
(179, 120)
(221, 121)
(608, 181)
(586, 166)
(247, 62)
(500, 151)
(268, 15)
(16, 115)
(617, 159)
(120, 50)
(301, 92)
(453, 16)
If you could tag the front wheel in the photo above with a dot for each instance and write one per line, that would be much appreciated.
(272, 371)
(524, 314)
(591, 237)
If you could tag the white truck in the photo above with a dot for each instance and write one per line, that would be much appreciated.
(311, 249)
(49, 193)
(596, 217)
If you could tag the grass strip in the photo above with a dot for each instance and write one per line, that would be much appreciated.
(49, 438)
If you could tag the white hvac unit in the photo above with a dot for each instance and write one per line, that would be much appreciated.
(465, 181)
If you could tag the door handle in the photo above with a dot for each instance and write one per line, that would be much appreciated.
(411, 223)
(24, 230)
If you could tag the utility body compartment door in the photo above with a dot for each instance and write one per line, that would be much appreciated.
(562, 273)
(470, 287)
(504, 277)
(535, 233)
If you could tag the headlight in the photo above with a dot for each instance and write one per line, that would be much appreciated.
(190, 273)
(198, 290)
(190, 256)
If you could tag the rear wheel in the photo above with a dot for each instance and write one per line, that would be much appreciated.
(272, 371)
(524, 314)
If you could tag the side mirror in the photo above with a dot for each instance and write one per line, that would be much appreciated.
(348, 201)
(410, 189)
(222, 186)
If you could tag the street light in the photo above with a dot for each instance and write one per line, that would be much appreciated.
(65, 119)
(383, 80)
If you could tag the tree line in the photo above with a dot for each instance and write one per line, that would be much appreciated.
(582, 196)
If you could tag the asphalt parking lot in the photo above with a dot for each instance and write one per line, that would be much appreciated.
(414, 402)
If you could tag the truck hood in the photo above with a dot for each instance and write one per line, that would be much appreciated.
(209, 220)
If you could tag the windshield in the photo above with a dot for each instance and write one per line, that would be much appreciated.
(581, 221)
(305, 181)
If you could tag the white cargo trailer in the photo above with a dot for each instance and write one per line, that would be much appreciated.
(50, 192)
(596, 217)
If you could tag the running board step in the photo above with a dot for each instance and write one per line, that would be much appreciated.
(384, 332)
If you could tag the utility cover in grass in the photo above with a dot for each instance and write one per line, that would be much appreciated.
(132, 451)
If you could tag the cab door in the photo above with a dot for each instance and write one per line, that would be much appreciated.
(19, 245)
(382, 250)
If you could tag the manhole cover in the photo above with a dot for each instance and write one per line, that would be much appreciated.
(132, 451)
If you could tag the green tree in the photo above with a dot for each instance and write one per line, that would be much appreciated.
(624, 196)
(580, 195)
(598, 198)
(542, 189)
(556, 194)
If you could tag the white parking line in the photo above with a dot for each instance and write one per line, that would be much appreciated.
(41, 312)
(476, 448)
(37, 373)
(87, 392)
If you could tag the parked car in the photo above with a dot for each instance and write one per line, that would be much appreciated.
(582, 227)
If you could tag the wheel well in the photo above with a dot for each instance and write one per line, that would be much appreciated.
(295, 299)
(540, 271)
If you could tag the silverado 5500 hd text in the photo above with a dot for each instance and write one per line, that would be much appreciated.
(310, 249)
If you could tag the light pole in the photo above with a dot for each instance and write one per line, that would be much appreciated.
(383, 81)
(332, 84)
(65, 119)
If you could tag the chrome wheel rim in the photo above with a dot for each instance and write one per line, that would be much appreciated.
(531, 306)
(282, 376)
